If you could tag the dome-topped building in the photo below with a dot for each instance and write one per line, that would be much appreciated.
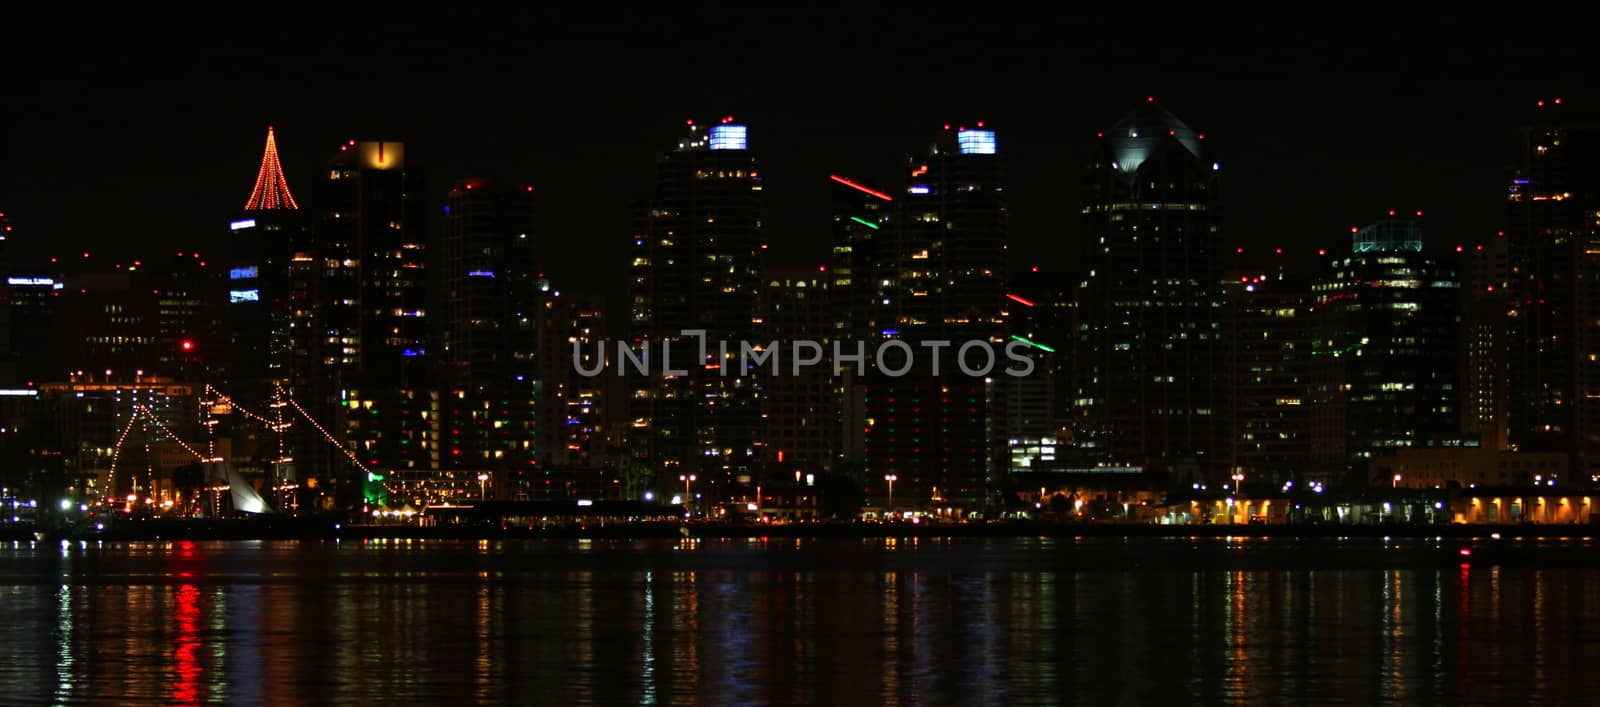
(1142, 131)
(1151, 383)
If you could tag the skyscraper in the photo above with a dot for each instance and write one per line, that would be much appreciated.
(940, 274)
(253, 352)
(696, 266)
(802, 411)
(1388, 336)
(1485, 273)
(1553, 232)
(572, 407)
(1151, 376)
(1270, 331)
(360, 313)
(1038, 421)
(489, 290)
(490, 280)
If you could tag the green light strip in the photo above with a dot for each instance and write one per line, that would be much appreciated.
(865, 222)
(1034, 344)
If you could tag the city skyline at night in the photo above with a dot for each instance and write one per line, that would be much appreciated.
(828, 354)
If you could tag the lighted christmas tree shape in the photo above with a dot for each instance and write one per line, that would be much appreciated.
(272, 191)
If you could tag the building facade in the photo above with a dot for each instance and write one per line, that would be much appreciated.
(1151, 384)
(696, 266)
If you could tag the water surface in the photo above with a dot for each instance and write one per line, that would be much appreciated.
(797, 621)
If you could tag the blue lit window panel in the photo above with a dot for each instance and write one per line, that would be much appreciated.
(481, 273)
(730, 137)
(976, 142)
(244, 273)
(240, 225)
(236, 296)
(920, 189)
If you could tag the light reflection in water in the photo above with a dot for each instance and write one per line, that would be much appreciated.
(186, 660)
(776, 621)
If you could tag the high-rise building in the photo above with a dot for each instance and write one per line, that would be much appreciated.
(1038, 413)
(802, 410)
(186, 291)
(32, 300)
(490, 281)
(862, 278)
(696, 266)
(253, 353)
(31, 348)
(1553, 234)
(490, 291)
(1151, 384)
(105, 324)
(940, 276)
(1388, 335)
(1485, 273)
(360, 316)
(1270, 334)
(863, 265)
(572, 407)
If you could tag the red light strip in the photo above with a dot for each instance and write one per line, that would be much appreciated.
(860, 188)
(1019, 300)
(271, 191)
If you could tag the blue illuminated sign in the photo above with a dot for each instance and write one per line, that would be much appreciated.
(976, 142)
(729, 137)
(242, 273)
(239, 225)
(481, 273)
(244, 295)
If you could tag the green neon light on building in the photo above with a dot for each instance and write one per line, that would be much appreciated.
(865, 222)
(1034, 344)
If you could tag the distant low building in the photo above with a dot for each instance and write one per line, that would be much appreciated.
(1469, 467)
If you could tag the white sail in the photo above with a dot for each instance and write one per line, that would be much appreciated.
(244, 495)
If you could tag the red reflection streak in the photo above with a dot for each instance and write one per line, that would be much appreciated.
(1463, 628)
(186, 689)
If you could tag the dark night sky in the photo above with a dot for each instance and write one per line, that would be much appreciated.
(126, 133)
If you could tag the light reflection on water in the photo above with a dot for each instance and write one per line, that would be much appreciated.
(1027, 621)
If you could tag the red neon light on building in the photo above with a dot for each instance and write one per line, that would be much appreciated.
(862, 189)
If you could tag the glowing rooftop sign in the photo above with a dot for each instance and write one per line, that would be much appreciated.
(242, 273)
(976, 142)
(235, 296)
(729, 137)
(30, 281)
(240, 225)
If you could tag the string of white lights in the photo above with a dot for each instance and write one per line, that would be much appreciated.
(197, 455)
(116, 451)
(328, 435)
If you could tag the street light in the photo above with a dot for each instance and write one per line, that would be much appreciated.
(891, 478)
(688, 497)
(483, 486)
(1396, 481)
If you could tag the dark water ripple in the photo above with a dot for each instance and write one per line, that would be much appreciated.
(797, 621)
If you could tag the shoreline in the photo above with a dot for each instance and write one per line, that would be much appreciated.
(303, 529)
